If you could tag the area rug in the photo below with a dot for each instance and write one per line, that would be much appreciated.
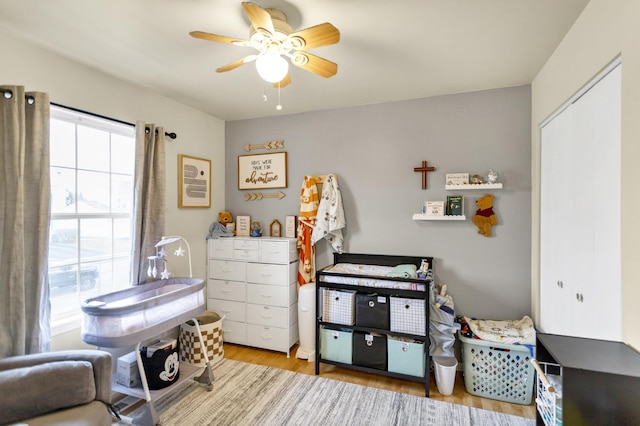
(248, 394)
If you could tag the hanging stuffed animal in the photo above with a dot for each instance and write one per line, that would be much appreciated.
(485, 217)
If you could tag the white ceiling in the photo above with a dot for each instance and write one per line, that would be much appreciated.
(389, 50)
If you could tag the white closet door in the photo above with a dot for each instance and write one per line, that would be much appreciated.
(555, 214)
(597, 222)
(580, 216)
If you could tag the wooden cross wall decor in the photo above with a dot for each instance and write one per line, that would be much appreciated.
(424, 169)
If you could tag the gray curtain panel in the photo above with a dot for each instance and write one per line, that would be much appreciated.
(25, 194)
(149, 197)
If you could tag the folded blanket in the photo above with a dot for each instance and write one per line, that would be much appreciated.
(508, 332)
(403, 271)
(464, 327)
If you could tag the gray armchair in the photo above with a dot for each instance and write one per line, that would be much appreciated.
(56, 388)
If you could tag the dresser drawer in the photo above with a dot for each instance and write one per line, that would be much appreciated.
(242, 254)
(227, 290)
(273, 316)
(277, 251)
(232, 310)
(234, 332)
(273, 295)
(221, 248)
(267, 273)
(227, 270)
(273, 338)
(246, 244)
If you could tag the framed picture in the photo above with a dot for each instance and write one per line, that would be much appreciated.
(262, 171)
(457, 178)
(275, 229)
(434, 208)
(194, 182)
(243, 226)
(290, 226)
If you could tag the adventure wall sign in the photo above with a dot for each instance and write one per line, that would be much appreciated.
(262, 171)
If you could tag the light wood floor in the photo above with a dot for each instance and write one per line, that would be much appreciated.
(459, 396)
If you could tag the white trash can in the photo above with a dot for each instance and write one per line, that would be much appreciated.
(445, 371)
(307, 322)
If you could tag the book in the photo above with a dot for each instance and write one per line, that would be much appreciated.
(455, 205)
(434, 208)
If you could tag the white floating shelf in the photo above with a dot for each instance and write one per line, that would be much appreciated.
(474, 186)
(422, 216)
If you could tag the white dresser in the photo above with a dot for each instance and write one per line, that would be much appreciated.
(253, 283)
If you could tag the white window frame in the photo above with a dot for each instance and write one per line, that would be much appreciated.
(71, 321)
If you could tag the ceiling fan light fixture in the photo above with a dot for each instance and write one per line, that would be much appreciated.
(272, 67)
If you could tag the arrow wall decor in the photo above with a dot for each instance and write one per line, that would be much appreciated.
(266, 145)
(253, 196)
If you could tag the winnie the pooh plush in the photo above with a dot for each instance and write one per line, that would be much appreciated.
(485, 217)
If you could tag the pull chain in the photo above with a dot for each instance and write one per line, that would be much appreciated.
(279, 106)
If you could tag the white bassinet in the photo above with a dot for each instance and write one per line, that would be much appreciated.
(129, 316)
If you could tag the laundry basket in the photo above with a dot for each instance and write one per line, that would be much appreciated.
(212, 334)
(498, 371)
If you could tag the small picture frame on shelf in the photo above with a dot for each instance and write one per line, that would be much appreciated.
(243, 226)
(275, 229)
(455, 205)
(290, 226)
(434, 208)
(457, 178)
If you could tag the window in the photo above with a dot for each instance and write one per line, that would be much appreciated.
(92, 162)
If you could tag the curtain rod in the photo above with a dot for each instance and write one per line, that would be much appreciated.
(8, 94)
(170, 135)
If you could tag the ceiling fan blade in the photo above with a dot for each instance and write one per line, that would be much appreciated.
(259, 17)
(221, 39)
(237, 63)
(316, 36)
(284, 82)
(315, 64)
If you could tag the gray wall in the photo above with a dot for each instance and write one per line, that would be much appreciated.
(373, 150)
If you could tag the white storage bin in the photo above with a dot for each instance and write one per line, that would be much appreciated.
(338, 306)
(408, 315)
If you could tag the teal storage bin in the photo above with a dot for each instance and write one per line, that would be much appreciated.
(336, 345)
(406, 356)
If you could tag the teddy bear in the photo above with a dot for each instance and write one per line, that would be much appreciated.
(485, 217)
(226, 219)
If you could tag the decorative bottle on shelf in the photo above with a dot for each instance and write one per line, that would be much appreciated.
(423, 270)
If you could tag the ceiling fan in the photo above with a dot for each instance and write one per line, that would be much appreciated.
(274, 39)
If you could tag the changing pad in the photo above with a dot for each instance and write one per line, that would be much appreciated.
(370, 281)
